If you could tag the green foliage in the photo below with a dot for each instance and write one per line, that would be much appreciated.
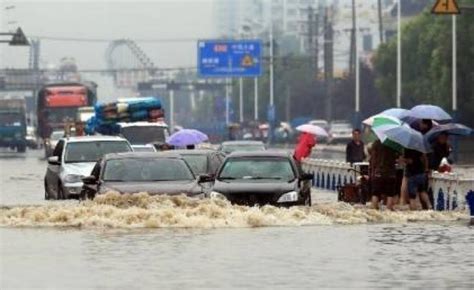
(427, 63)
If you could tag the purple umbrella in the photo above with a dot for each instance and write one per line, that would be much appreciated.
(430, 112)
(186, 137)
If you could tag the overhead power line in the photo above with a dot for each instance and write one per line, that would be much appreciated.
(79, 39)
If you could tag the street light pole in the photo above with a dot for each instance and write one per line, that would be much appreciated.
(454, 68)
(357, 70)
(255, 98)
(172, 110)
(227, 100)
(399, 55)
(271, 63)
(241, 100)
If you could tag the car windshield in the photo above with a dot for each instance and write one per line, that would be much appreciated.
(243, 147)
(93, 151)
(139, 135)
(341, 127)
(198, 163)
(146, 170)
(257, 168)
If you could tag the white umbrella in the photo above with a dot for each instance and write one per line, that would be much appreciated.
(312, 129)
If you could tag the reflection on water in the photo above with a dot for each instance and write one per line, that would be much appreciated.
(363, 256)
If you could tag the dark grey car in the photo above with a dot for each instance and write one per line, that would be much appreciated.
(154, 173)
(202, 161)
(259, 178)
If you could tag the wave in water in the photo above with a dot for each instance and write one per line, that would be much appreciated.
(141, 210)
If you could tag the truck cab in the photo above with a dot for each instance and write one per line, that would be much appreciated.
(141, 134)
(13, 124)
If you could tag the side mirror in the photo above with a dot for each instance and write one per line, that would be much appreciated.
(205, 178)
(307, 176)
(53, 160)
(90, 180)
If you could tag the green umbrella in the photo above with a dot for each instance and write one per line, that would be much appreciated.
(380, 125)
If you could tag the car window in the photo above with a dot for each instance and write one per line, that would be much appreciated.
(257, 168)
(198, 163)
(146, 170)
(94, 150)
(216, 161)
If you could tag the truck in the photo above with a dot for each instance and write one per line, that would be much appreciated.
(58, 105)
(13, 124)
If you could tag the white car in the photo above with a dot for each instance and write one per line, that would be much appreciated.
(341, 132)
(144, 133)
(73, 158)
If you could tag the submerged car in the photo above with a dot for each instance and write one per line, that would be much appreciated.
(247, 146)
(73, 158)
(202, 161)
(154, 173)
(260, 178)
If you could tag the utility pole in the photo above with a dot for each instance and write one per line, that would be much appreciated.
(255, 80)
(399, 55)
(241, 100)
(310, 35)
(352, 45)
(328, 61)
(379, 6)
(357, 69)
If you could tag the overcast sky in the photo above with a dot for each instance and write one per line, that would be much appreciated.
(158, 19)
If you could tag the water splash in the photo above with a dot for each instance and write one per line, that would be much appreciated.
(141, 210)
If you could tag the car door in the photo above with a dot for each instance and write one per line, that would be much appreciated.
(52, 173)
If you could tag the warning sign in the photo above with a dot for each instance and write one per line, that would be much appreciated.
(247, 61)
(445, 7)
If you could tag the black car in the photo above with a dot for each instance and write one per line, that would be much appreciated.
(259, 178)
(154, 173)
(202, 161)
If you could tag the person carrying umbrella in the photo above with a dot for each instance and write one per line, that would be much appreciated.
(307, 140)
(383, 174)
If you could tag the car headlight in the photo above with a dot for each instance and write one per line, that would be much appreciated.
(291, 196)
(73, 178)
(215, 194)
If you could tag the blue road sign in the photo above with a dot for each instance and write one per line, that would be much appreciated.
(229, 58)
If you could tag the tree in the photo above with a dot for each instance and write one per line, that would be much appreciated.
(426, 63)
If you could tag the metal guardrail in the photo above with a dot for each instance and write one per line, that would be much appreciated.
(449, 190)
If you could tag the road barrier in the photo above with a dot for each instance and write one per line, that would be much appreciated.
(450, 190)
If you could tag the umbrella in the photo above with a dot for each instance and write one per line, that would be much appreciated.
(312, 129)
(407, 137)
(380, 125)
(393, 112)
(430, 112)
(450, 129)
(185, 137)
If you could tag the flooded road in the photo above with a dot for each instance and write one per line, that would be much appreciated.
(160, 242)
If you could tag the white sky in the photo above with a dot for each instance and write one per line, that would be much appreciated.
(159, 19)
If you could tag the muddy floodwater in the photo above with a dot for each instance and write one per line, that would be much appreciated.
(125, 242)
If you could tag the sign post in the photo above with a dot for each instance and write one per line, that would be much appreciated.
(230, 59)
(450, 7)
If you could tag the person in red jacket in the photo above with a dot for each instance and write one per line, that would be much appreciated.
(306, 142)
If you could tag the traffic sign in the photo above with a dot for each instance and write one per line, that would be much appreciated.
(229, 58)
(445, 7)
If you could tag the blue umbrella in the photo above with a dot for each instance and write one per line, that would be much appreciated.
(430, 112)
(450, 129)
(407, 137)
(397, 113)
(186, 137)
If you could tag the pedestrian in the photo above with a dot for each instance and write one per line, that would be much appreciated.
(355, 149)
(383, 174)
(441, 149)
(423, 126)
(416, 172)
(305, 145)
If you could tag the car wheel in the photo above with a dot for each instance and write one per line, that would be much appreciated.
(21, 148)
